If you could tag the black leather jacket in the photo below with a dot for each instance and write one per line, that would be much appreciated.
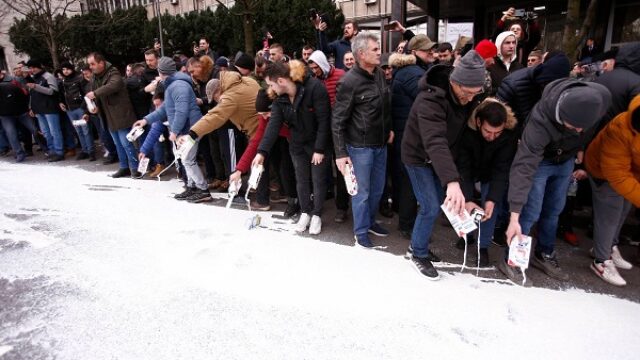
(362, 111)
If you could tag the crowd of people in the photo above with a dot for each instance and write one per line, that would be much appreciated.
(496, 125)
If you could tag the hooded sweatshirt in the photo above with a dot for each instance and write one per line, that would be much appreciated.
(613, 154)
(331, 75)
(546, 138)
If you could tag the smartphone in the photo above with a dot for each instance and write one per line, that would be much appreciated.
(519, 13)
(390, 25)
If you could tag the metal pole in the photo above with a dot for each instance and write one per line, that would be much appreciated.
(156, 9)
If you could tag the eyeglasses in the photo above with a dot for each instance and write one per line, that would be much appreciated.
(467, 93)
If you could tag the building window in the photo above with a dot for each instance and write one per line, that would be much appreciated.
(626, 24)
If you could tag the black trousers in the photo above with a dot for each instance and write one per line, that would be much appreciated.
(280, 158)
(310, 179)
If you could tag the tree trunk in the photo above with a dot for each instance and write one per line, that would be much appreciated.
(589, 19)
(569, 37)
(247, 24)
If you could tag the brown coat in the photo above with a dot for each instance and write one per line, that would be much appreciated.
(237, 103)
(112, 99)
(614, 155)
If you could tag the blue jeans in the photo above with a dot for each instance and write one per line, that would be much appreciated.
(370, 167)
(546, 200)
(52, 130)
(430, 195)
(84, 132)
(127, 153)
(4, 141)
(10, 126)
(488, 227)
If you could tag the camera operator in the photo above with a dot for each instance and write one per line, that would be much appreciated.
(524, 25)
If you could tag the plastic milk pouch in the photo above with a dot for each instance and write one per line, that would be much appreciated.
(143, 165)
(519, 253)
(462, 224)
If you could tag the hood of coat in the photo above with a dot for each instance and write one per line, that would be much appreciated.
(437, 76)
(398, 61)
(633, 114)
(229, 79)
(629, 57)
(511, 118)
(178, 76)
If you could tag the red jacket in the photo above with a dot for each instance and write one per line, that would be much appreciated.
(244, 164)
(331, 82)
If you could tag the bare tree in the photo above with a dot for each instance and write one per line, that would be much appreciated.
(573, 35)
(48, 18)
(247, 13)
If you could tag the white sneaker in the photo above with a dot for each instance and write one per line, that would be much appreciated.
(303, 222)
(607, 271)
(316, 225)
(618, 261)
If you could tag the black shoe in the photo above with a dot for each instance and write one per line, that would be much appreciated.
(4, 152)
(28, 153)
(199, 196)
(499, 238)
(135, 174)
(110, 160)
(425, 267)
(82, 155)
(430, 255)
(341, 216)
(121, 173)
(185, 194)
(378, 230)
(55, 158)
(484, 258)
(471, 240)
(293, 208)
(92, 156)
(514, 274)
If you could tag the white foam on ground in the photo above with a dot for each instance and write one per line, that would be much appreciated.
(148, 277)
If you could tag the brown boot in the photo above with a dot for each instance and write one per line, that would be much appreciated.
(156, 171)
(224, 186)
(215, 184)
(70, 153)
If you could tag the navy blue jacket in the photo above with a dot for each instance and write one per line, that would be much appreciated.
(338, 48)
(404, 88)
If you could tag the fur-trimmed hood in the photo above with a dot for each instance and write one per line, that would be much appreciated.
(397, 60)
(511, 118)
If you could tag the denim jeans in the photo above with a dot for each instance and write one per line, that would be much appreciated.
(430, 195)
(545, 202)
(194, 174)
(10, 126)
(103, 134)
(84, 132)
(488, 227)
(127, 153)
(370, 167)
(52, 130)
(4, 141)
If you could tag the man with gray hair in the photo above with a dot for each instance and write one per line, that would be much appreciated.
(361, 127)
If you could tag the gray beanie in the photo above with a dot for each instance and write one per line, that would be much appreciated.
(583, 106)
(469, 71)
(166, 66)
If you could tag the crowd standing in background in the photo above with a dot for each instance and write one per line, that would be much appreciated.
(495, 124)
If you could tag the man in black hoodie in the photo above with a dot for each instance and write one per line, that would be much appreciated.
(559, 126)
(429, 146)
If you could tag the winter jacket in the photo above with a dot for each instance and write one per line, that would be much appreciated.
(237, 103)
(529, 42)
(523, 89)
(623, 81)
(244, 164)
(140, 99)
(331, 83)
(614, 155)
(179, 106)
(362, 112)
(14, 99)
(73, 91)
(404, 88)
(486, 161)
(112, 99)
(44, 97)
(498, 70)
(545, 138)
(338, 48)
(435, 125)
(155, 130)
(308, 118)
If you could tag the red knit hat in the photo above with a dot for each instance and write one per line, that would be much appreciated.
(486, 49)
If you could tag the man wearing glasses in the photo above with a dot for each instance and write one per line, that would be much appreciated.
(431, 138)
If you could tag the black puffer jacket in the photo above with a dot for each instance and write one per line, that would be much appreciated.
(308, 118)
(545, 138)
(435, 125)
(623, 81)
(362, 111)
(140, 99)
(14, 99)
